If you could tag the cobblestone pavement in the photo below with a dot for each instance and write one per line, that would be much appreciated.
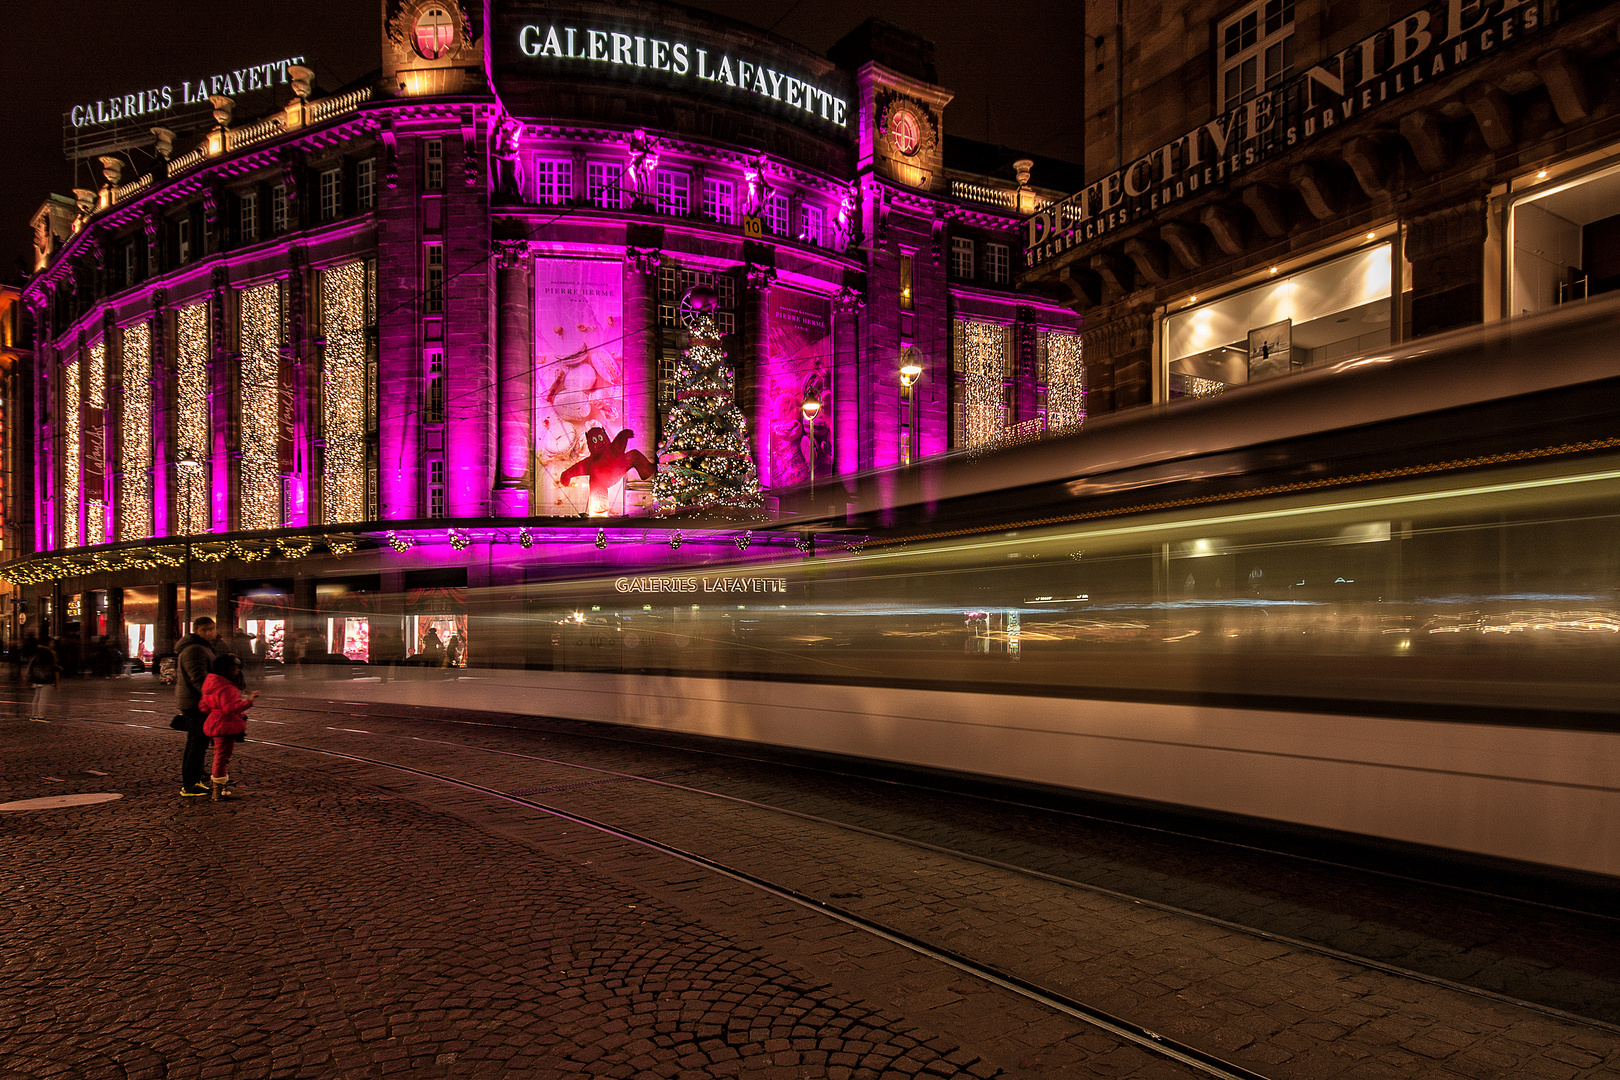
(343, 920)
(1277, 1010)
(349, 920)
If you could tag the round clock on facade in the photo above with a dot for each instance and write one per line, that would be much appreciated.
(697, 302)
(435, 32)
(905, 130)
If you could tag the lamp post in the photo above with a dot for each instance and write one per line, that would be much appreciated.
(808, 410)
(910, 372)
(186, 466)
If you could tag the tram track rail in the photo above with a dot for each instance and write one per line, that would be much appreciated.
(1145, 1036)
(665, 779)
(1155, 1043)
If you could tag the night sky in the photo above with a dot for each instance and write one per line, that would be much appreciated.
(1015, 72)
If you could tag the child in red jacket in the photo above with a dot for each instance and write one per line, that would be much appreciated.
(226, 711)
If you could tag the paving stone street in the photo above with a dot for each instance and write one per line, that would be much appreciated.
(372, 906)
(336, 922)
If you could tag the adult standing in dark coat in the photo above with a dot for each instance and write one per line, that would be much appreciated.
(196, 657)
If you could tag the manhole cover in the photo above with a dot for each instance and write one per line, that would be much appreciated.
(51, 802)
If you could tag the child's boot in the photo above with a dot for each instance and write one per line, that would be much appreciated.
(221, 788)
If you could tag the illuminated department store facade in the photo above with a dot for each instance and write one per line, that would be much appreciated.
(349, 346)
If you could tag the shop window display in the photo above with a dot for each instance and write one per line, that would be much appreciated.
(1566, 243)
(1317, 315)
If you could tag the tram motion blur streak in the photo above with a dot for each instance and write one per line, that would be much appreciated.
(1403, 621)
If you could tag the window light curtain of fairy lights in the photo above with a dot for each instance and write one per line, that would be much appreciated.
(1063, 371)
(135, 460)
(981, 357)
(344, 392)
(260, 344)
(95, 445)
(73, 455)
(191, 421)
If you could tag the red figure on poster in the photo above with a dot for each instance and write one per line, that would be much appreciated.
(606, 464)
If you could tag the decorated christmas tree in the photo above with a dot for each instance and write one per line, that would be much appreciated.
(704, 462)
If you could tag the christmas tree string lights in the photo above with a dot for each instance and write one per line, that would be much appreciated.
(705, 461)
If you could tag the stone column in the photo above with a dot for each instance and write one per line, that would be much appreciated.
(1446, 248)
(162, 417)
(87, 625)
(846, 395)
(224, 608)
(224, 364)
(750, 386)
(166, 633)
(115, 618)
(1024, 399)
(1119, 357)
(514, 375)
(641, 350)
(301, 619)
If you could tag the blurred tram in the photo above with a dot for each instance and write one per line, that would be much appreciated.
(1382, 598)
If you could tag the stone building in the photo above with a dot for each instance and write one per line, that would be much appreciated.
(16, 451)
(1275, 185)
(331, 361)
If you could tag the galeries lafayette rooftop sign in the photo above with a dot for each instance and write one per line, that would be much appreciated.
(160, 99)
(1416, 51)
(642, 54)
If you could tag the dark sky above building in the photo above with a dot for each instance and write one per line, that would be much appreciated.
(1014, 66)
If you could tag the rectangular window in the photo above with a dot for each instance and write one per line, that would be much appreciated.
(997, 263)
(365, 185)
(129, 264)
(905, 283)
(183, 235)
(435, 489)
(776, 214)
(433, 281)
(433, 398)
(813, 225)
(331, 194)
(553, 182)
(278, 209)
(962, 258)
(346, 390)
(720, 200)
(433, 161)
(250, 217)
(674, 193)
(602, 186)
(1256, 51)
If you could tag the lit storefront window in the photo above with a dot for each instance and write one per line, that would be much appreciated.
(1565, 243)
(1324, 313)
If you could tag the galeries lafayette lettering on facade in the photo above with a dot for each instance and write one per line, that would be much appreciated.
(681, 62)
(694, 584)
(1415, 51)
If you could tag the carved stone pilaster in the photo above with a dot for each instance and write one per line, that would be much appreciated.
(759, 279)
(297, 264)
(1446, 250)
(1118, 352)
(510, 254)
(389, 146)
(643, 260)
(472, 153)
(291, 173)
